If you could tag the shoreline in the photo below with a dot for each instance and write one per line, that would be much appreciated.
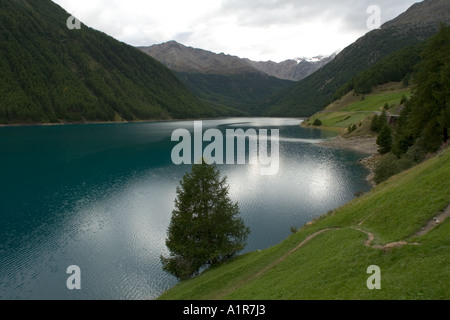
(364, 144)
(86, 123)
(134, 121)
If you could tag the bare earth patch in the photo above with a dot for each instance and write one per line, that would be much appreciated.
(365, 144)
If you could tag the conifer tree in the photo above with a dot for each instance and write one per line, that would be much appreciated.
(382, 120)
(374, 124)
(205, 228)
(385, 139)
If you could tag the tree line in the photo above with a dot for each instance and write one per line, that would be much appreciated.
(423, 126)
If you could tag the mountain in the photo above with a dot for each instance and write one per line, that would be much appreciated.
(219, 79)
(293, 69)
(49, 73)
(192, 60)
(314, 93)
(421, 15)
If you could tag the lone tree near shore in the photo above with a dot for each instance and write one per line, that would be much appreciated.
(205, 228)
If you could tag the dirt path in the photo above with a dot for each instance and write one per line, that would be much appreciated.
(371, 238)
(303, 243)
(433, 223)
(369, 243)
(273, 264)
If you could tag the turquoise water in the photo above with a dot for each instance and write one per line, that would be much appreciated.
(101, 197)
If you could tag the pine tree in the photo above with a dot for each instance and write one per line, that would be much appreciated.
(385, 139)
(374, 124)
(403, 138)
(382, 120)
(205, 228)
(378, 121)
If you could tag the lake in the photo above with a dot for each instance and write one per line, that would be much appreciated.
(101, 196)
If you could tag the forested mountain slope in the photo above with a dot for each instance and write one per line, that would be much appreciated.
(49, 73)
(314, 93)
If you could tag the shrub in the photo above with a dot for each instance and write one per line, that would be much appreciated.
(389, 166)
(317, 123)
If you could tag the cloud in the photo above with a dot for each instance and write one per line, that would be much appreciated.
(352, 13)
(257, 29)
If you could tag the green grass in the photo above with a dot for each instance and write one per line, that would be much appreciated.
(346, 119)
(357, 112)
(333, 264)
(377, 102)
(306, 276)
(340, 119)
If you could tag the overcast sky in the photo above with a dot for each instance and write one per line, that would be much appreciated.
(257, 29)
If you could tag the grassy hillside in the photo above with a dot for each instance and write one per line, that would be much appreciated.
(358, 109)
(328, 258)
(49, 73)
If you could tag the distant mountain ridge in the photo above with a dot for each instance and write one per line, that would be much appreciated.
(182, 58)
(218, 79)
(292, 69)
